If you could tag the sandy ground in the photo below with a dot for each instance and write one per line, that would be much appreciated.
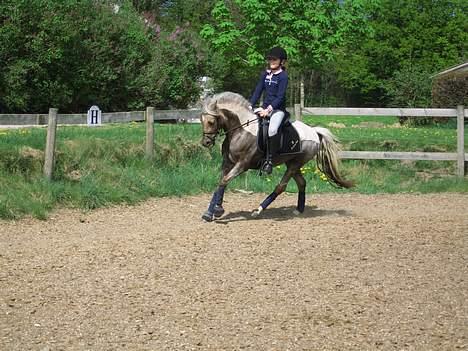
(357, 272)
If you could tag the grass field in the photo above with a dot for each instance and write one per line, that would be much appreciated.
(101, 166)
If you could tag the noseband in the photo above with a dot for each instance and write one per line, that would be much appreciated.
(212, 136)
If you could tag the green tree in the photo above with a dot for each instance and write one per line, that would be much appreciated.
(71, 54)
(409, 41)
(172, 77)
(308, 30)
(243, 31)
(169, 14)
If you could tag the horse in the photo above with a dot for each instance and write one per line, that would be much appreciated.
(230, 114)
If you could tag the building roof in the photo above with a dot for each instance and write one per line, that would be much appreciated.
(461, 67)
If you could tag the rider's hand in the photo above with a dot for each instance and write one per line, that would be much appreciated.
(257, 110)
(264, 113)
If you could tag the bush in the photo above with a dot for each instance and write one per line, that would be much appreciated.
(410, 87)
(450, 90)
(72, 54)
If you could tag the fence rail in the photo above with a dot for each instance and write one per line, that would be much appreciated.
(460, 113)
(381, 112)
(187, 115)
(107, 117)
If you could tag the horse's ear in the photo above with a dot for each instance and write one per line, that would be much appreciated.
(211, 106)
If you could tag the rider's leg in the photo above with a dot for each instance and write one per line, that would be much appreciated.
(273, 142)
(275, 122)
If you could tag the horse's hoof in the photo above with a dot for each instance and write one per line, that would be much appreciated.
(218, 211)
(257, 212)
(208, 217)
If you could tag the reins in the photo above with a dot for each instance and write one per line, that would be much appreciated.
(212, 136)
(239, 126)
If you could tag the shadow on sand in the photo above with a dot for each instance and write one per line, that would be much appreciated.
(279, 214)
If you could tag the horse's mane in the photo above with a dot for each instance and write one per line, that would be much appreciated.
(227, 99)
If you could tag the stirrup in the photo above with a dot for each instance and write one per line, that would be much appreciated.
(267, 167)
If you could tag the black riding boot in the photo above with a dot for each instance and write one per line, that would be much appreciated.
(273, 148)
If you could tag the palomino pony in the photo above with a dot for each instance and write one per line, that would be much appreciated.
(229, 112)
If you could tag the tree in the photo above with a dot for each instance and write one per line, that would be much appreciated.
(309, 30)
(419, 36)
(69, 54)
(172, 13)
(72, 54)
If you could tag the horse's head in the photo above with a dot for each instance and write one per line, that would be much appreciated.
(225, 111)
(210, 120)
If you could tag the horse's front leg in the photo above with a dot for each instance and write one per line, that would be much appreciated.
(226, 168)
(218, 195)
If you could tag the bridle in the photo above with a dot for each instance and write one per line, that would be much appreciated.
(212, 136)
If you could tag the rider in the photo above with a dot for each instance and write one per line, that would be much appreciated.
(273, 82)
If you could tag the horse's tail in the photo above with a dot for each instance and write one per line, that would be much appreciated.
(328, 160)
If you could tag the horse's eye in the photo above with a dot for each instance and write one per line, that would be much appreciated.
(210, 123)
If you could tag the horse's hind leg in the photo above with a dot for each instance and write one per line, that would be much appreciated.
(301, 187)
(280, 188)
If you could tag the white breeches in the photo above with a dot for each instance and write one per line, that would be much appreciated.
(275, 122)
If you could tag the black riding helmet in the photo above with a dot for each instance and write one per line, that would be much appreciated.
(277, 53)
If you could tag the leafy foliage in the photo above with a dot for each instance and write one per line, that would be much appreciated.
(409, 41)
(71, 54)
(309, 30)
(409, 87)
(450, 90)
(127, 54)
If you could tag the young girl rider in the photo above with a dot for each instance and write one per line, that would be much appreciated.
(273, 83)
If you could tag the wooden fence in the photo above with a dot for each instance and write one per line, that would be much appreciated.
(53, 118)
(460, 113)
(116, 117)
(107, 117)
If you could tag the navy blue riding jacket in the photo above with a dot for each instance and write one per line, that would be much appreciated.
(274, 85)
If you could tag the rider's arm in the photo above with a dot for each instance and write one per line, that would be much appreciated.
(258, 90)
(281, 96)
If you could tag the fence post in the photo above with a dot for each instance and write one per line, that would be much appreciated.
(302, 91)
(50, 144)
(149, 132)
(461, 140)
(298, 112)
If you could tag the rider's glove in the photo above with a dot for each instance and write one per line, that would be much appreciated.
(258, 109)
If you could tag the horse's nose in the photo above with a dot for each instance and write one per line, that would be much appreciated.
(206, 142)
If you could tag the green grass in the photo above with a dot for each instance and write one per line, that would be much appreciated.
(433, 138)
(96, 167)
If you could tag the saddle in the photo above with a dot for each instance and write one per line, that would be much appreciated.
(289, 140)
